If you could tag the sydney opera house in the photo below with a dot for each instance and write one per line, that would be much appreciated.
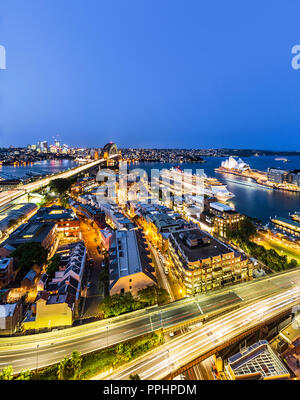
(232, 163)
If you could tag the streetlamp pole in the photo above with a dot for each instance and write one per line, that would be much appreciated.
(37, 354)
(161, 321)
(107, 336)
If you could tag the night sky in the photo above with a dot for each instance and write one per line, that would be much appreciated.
(151, 73)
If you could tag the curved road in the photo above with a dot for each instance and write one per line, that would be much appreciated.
(22, 352)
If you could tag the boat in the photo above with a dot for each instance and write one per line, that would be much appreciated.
(194, 184)
(281, 159)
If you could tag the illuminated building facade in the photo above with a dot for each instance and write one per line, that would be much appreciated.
(205, 263)
(41, 232)
(58, 304)
(66, 221)
(224, 218)
(287, 225)
(130, 266)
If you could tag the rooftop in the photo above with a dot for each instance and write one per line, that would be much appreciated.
(52, 214)
(220, 206)
(287, 221)
(7, 310)
(31, 232)
(197, 245)
(128, 255)
(258, 361)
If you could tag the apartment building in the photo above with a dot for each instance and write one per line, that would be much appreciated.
(130, 266)
(204, 263)
(57, 306)
(66, 221)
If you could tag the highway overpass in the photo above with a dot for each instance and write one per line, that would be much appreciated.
(177, 355)
(237, 308)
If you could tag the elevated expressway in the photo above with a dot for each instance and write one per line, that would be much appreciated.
(214, 318)
(10, 195)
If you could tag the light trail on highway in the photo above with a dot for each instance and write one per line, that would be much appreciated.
(7, 196)
(21, 351)
(186, 348)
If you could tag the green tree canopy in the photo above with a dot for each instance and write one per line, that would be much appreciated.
(125, 302)
(69, 368)
(7, 374)
(29, 254)
(25, 375)
(153, 294)
(53, 265)
(134, 377)
(61, 185)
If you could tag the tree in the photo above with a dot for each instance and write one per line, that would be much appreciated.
(29, 254)
(53, 265)
(7, 374)
(69, 368)
(25, 375)
(246, 228)
(119, 304)
(75, 361)
(62, 368)
(153, 294)
(162, 295)
(293, 263)
(60, 186)
(134, 377)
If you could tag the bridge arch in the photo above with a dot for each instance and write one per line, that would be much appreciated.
(110, 148)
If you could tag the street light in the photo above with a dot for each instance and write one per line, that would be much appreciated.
(37, 353)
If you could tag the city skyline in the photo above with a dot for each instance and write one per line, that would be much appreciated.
(131, 76)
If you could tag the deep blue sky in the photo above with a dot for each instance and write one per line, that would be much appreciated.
(152, 73)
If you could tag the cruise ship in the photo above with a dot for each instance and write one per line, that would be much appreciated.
(196, 184)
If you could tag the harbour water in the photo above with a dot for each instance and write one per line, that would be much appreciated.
(250, 198)
(45, 167)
